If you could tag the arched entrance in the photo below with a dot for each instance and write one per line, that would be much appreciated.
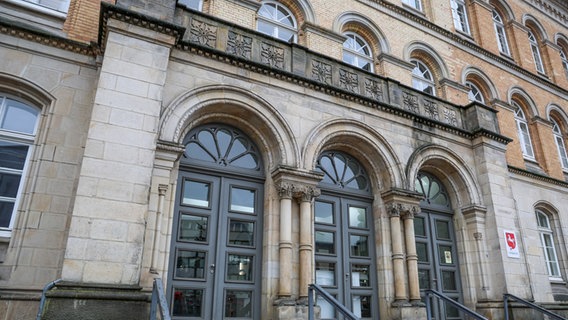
(215, 265)
(438, 265)
(344, 236)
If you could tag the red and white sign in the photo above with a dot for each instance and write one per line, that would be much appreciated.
(512, 244)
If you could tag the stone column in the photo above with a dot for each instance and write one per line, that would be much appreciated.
(306, 246)
(397, 254)
(411, 256)
(285, 244)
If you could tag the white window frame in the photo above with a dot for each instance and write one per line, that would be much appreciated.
(19, 138)
(500, 33)
(278, 24)
(564, 60)
(474, 93)
(416, 4)
(422, 77)
(535, 52)
(545, 232)
(560, 145)
(359, 50)
(40, 6)
(459, 14)
(192, 4)
(523, 132)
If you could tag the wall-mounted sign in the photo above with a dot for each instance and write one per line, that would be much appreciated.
(511, 244)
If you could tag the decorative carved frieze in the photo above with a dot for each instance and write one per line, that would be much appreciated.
(450, 117)
(272, 56)
(285, 190)
(203, 33)
(410, 102)
(373, 89)
(431, 109)
(404, 210)
(348, 81)
(321, 72)
(239, 45)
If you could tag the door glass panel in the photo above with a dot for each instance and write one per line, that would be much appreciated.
(422, 251)
(442, 230)
(324, 212)
(445, 254)
(357, 217)
(327, 310)
(451, 311)
(325, 242)
(190, 264)
(193, 228)
(449, 280)
(196, 193)
(419, 229)
(187, 302)
(241, 233)
(238, 304)
(360, 275)
(239, 268)
(362, 306)
(325, 273)
(424, 279)
(242, 200)
(359, 245)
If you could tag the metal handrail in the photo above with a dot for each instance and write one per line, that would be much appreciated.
(531, 305)
(329, 298)
(453, 302)
(46, 288)
(159, 299)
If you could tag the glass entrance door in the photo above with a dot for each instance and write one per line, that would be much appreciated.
(215, 264)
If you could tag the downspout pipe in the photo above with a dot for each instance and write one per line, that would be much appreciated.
(46, 288)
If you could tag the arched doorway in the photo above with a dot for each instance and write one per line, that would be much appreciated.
(438, 265)
(215, 261)
(344, 236)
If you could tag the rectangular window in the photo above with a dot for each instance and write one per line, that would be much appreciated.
(414, 4)
(460, 15)
(550, 255)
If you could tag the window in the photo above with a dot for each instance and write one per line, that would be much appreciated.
(422, 78)
(192, 4)
(560, 144)
(536, 53)
(357, 52)
(57, 5)
(460, 15)
(474, 93)
(523, 132)
(564, 59)
(500, 33)
(17, 130)
(276, 20)
(547, 242)
(416, 4)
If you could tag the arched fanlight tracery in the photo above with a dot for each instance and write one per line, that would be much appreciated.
(342, 171)
(435, 195)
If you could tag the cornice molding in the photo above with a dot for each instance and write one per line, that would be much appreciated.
(539, 177)
(552, 10)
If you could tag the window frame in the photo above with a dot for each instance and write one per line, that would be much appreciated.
(37, 6)
(500, 33)
(523, 132)
(415, 4)
(424, 78)
(356, 52)
(560, 144)
(199, 4)
(537, 58)
(275, 24)
(547, 232)
(564, 61)
(473, 96)
(461, 20)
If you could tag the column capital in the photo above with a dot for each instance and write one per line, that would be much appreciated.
(285, 190)
(306, 193)
(402, 203)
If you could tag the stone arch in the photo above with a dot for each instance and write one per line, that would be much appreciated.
(520, 96)
(557, 112)
(504, 9)
(429, 56)
(237, 107)
(479, 78)
(372, 150)
(25, 89)
(532, 23)
(302, 10)
(451, 169)
(356, 22)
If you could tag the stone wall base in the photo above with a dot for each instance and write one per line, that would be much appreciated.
(90, 301)
(294, 311)
(407, 311)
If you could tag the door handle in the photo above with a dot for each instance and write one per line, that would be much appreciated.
(212, 268)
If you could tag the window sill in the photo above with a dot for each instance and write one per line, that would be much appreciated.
(556, 280)
(33, 15)
(414, 10)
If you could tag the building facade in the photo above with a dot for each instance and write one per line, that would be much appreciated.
(242, 150)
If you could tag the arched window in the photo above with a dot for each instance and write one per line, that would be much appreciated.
(192, 4)
(535, 52)
(18, 122)
(416, 4)
(474, 93)
(357, 52)
(459, 14)
(523, 131)
(278, 21)
(422, 78)
(547, 241)
(560, 144)
(500, 33)
(564, 60)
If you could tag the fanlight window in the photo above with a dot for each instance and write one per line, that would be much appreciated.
(357, 52)
(474, 93)
(223, 146)
(422, 78)
(342, 171)
(277, 21)
(433, 191)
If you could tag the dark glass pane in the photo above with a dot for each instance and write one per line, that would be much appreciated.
(237, 148)
(325, 163)
(206, 138)
(195, 151)
(422, 252)
(196, 193)
(446, 256)
(193, 228)
(362, 306)
(9, 184)
(238, 304)
(224, 141)
(19, 117)
(451, 311)
(324, 212)
(241, 233)
(242, 200)
(248, 161)
(449, 281)
(440, 199)
(187, 302)
(265, 27)
(419, 227)
(424, 279)
(239, 268)
(442, 229)
(357, 217)
(325, 242)
(360, 275)
(6, 209)
(190, 264)
(359, 246)
(325, 273)
(340, 163)
(12, 156)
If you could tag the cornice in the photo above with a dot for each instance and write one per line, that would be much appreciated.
(539, 177)
(552, 10)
